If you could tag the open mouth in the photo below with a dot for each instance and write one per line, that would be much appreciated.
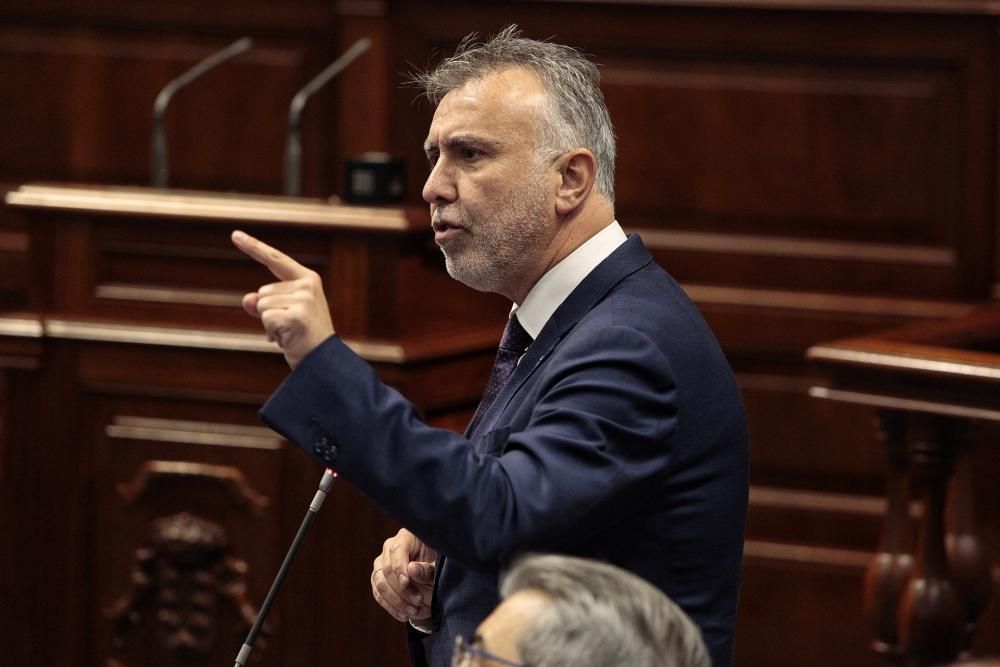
(441, 226)
(446, 232)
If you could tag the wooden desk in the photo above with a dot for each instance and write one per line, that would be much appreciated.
(928, 383)
(143, 507)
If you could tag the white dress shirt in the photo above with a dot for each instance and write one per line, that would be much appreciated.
(558, 282)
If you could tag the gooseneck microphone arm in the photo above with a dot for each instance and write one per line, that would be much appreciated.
(159, 153)
(293, 146)
(325, 484)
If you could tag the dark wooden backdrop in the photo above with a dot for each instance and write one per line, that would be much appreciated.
(808, 170)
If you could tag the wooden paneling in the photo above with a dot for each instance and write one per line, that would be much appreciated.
(825, 152)
(188, 511)
(809, 169)
(114, 268)
(724, 118)
(83, 108)
(784, 582)
(13, 265)
(81, 78)
(189, 16)
(792, 449)
(138, 379)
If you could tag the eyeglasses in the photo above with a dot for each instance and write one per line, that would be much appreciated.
(470, 655)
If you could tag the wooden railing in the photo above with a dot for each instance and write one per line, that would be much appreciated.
(930, 384)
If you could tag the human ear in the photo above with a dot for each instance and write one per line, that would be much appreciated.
(577, 170)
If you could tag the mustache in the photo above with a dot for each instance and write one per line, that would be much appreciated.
(449, 216)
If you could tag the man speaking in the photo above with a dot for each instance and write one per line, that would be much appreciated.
(611, 426)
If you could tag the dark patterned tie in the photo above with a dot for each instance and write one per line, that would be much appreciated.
(514, 342)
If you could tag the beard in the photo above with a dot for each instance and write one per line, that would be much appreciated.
(500, 245)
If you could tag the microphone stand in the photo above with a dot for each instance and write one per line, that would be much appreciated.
(293, 146)
(159, 153)
(325, 484)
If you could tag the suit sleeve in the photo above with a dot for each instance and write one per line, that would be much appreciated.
(597, 440)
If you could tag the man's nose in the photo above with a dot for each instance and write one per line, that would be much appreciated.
(440, 186)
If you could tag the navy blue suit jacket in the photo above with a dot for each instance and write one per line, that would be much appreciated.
(620, 436)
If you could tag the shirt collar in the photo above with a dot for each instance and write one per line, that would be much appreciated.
(559, 281)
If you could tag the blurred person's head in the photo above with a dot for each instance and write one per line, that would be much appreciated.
(561, 611)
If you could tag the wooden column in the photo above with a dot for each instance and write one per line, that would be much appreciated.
(931, 616)
(891, 566)
(967, 558)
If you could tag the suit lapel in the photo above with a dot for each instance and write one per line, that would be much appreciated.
(623, 262)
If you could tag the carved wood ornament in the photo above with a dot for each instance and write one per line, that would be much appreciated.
(186, 586)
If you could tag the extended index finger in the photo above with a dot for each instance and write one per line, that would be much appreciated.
(280, 264)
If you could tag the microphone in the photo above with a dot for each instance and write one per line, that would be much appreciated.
(325, 484)
(293, 146)
(159, 153)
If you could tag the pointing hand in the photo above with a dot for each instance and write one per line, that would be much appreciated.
(293, 310)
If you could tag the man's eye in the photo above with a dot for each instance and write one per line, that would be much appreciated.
(470, 153)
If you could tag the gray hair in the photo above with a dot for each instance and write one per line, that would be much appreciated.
(601, 616)
(577, 114)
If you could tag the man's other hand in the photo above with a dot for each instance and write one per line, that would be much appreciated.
(403, 578)
(293, 311)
